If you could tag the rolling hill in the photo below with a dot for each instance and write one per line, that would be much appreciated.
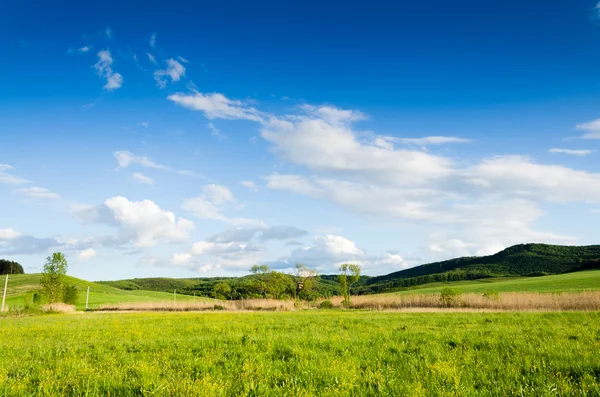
(20, 285)
(518, 260)
(524, 260)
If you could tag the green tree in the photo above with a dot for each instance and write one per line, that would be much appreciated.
(52, 277)
(10, 267)
(306, 282)
(222, 291)
(262, 272)
(349, 274)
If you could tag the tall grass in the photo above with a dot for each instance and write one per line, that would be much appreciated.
(582, 301)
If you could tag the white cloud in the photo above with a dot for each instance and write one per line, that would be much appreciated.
(144, 124)
(152, 59)
(152, 40)
(250, 185)
(431, 140)
(571, 152)
(15, 243)
(142, 223)
(214, 131)
(210, 205)
(218, 194)
(6, 177)
(596, 211)
(189, 173)
(174, 70)
(330, 251)
(86, 254)
(336, 149)
(216, 105)
(84, 49)
(141, 178)
(38, 192)
(104, 69)
(126, 158)
(182, 59)
(591, 129)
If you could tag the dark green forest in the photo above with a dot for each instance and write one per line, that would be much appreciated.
(520, 260)
(10, 267)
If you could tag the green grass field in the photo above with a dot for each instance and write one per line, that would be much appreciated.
(569, 282)
(315, 353)
(20, 284)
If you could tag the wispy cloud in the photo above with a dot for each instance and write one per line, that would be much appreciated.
(38, 192)
(217, 105)
(141, 178)
(431, 140)
(174, 70)
(591, 129)
(152, 59)
(126, 158)
(104, 69)
(6, 177)
(571, 152)
(214, 131)
(152, 40)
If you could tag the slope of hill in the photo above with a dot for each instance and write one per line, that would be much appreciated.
(20, 285)
(588, 280)
(519, 260)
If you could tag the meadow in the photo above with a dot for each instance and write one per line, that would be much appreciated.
(306, 353)
(20, 285)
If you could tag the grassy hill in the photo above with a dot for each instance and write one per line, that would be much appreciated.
(19, 285)
(588, 280)
(519, 260)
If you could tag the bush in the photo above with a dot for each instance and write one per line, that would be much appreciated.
(218, 307)
(449, 296)
(326, 305)
(492, 295)
(70, 295)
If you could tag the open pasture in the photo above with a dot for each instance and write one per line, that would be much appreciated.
(312, 353)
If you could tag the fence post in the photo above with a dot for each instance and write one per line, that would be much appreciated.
(4, 295)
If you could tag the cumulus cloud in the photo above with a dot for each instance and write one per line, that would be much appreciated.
(38, 192)
(142, 223)
(571, 152)
(7, 177)
(216, 105)
(15, 243)
(174, 70)
(369, 174)
(104, 68)
(330, 251)
(141, 178)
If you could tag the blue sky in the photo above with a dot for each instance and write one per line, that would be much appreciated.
(145, 140)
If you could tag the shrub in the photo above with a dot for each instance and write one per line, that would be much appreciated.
(449, 296)
(326, 305)
(218, 307)
(70, 294)
(492, 295)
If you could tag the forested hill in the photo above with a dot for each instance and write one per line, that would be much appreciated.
(518, 260)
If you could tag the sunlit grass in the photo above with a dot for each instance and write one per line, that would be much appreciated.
(317, 353)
